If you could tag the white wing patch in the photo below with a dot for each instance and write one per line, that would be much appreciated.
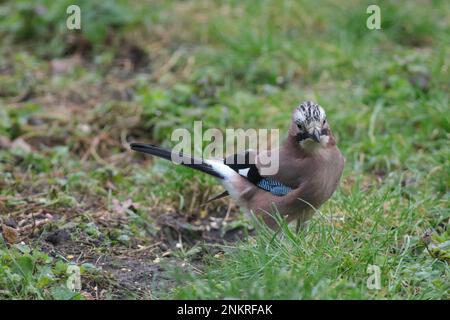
(244, 172)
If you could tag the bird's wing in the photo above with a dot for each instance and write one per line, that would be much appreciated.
(245, 164)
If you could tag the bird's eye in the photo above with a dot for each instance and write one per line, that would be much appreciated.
(324, 121)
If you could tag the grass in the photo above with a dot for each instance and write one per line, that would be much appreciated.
(70, 102)
(329, 259)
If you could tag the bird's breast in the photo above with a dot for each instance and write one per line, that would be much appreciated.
(324, 180)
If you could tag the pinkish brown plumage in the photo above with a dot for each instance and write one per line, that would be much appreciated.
(310, 167)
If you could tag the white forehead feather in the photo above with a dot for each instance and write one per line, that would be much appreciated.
(309, 111)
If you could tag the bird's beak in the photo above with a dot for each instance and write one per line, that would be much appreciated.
(316, 136)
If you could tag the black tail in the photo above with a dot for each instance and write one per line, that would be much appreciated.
(187, 161)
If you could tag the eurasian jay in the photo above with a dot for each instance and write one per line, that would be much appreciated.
(310, 167)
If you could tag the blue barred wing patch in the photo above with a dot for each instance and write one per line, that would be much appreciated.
(249, 170)
(273, 187)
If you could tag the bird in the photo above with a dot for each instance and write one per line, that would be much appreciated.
(309, 170)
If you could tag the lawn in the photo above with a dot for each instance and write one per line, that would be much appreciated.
(74, 200)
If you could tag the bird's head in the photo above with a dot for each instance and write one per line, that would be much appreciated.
(309, 125)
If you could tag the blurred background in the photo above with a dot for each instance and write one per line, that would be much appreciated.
(72, 100)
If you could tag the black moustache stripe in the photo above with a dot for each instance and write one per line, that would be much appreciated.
(302, 136)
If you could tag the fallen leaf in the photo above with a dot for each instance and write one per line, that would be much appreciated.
(66, 64)
(19, 143)
(4, 142)
(11, 235)
(121, 207)
(87, 295)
